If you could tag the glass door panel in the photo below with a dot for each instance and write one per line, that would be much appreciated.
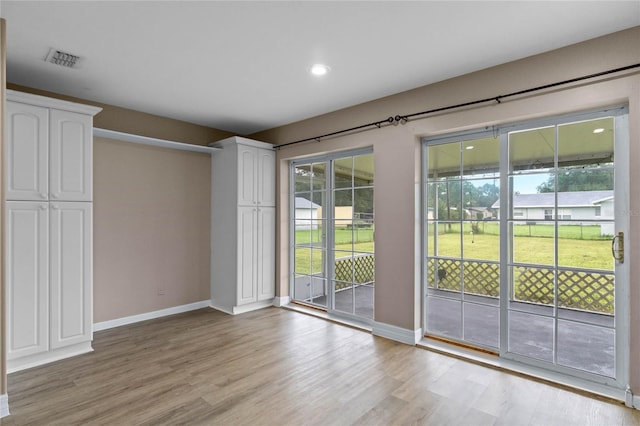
(463, 241)
(353, 248)
(561, 309)
(333, 219)
(310, 234)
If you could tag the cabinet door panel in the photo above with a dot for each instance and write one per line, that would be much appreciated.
(246, 254)
(27, 152)
(247, 168)
(71, 273)
(71, 156)
(266, 259)
(27, 277)
(266, 178)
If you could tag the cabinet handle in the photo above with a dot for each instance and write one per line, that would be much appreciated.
(54, 195)
(43, 195)
(54, 206)
(43, 207)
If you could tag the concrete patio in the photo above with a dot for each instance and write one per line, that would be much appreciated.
(585, 340)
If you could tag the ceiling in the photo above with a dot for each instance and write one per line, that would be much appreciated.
(243, 66)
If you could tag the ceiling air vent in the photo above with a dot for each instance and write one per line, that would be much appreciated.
(62, 58)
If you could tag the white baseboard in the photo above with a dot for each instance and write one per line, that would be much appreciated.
(4, 405)
(636, 402)
(279, 302)
(402, 335)
(52, 355)
(105, 325)
(240, 309)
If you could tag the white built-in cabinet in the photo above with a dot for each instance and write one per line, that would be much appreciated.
(49, 145)
(243, 225)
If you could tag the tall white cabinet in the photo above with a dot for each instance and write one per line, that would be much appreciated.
(48, 229)
(243, 225)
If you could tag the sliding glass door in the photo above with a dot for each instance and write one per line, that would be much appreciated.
(332, 230)
(309, 231)
(463, 240)
(524, 242)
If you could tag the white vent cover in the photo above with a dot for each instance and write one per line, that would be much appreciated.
(62, 58)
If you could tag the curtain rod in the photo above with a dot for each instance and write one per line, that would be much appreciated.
(404, 118)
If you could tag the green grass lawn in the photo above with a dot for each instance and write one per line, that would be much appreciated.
(578, 246)
(594, 254)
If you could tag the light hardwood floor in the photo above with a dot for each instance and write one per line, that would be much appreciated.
(278, 367)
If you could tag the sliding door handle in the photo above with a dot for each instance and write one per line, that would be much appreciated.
(617, 247)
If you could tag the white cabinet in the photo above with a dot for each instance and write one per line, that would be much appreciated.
(243, 225)
(49, 229)
(27, 152)
(70, 156)
(27, 276)
(266, 243)
(71, 272)
(49, 152)
(256, 176)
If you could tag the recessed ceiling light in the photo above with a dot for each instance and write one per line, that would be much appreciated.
(599, 130)
(319, 69)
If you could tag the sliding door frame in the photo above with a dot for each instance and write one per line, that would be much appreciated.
(328, 261)
(621, 179)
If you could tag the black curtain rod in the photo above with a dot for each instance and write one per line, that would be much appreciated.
(404, 118)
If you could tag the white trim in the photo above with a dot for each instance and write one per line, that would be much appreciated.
(240, 309)
(43, 101)
(105, 325)
(233, 140)
(145, 140)
(279, 302)
(4, 405)
(402, 335)
(636, 402)
(42, 358)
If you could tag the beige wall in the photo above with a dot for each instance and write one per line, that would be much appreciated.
(151, 228)
(397, 156)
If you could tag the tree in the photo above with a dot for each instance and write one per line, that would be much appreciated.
(450, 198)
(579, 179)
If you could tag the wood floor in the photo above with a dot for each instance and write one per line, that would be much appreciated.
(278, 367)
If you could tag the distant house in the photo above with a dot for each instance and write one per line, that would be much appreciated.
(306, 213)
(478, 212)
(578, 205)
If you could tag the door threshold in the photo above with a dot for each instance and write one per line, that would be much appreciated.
(487, 359)
(321, 313)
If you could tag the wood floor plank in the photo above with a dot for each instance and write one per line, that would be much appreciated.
(278, 367)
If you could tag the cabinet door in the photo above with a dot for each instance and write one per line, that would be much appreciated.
(27, 278)
(266, 178)
(266, 259)
(71, 156)
(247, 237)
(247, 169)
(71, 273)
(27, 152)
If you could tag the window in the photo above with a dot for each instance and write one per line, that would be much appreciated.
(548, 214)
(598, 212)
